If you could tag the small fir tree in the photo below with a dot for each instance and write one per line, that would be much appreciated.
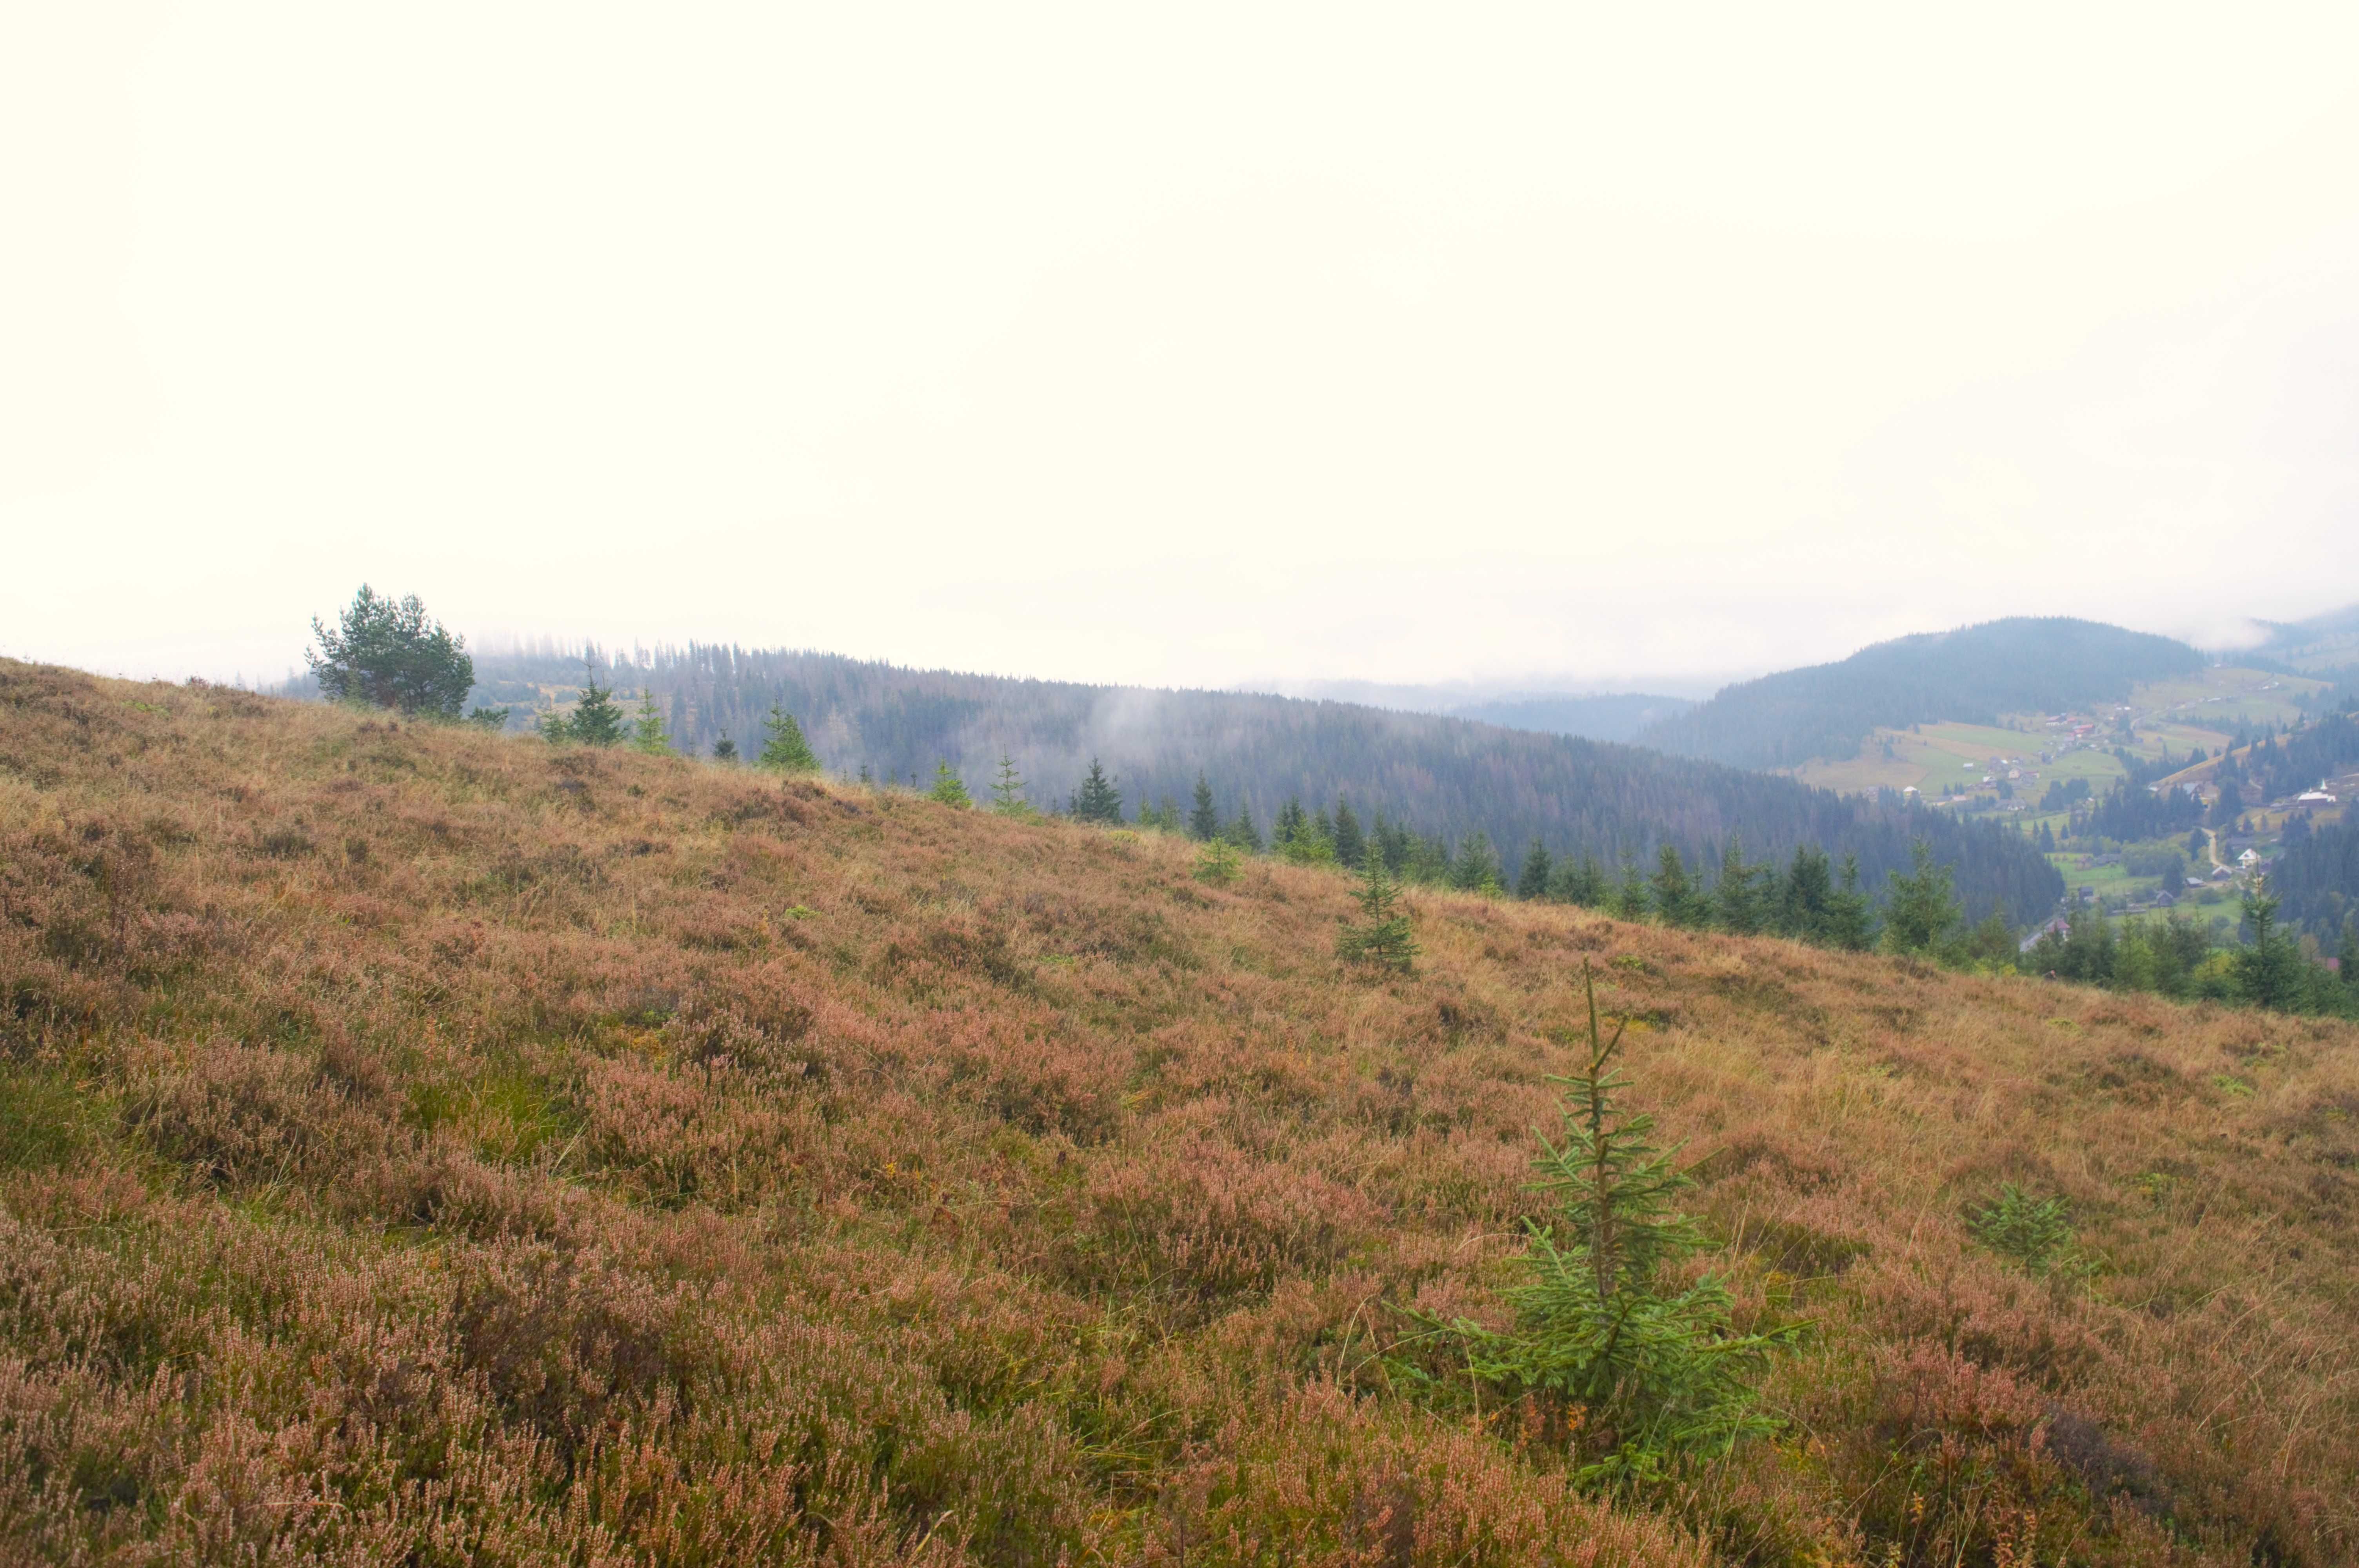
(1850, 921)
(785, 751)
(1290, 824)
(1203, 821)
(949, 788)
(1217, 861)
(1007, 791)
(725, 749)
(1242, 832)
(1350, 844)
(1738, 899)
(2269, 970)
(1097, 800)
(1477, 866)
(1381, 937)
(1632, 902)
(1657, 1369)
(1677, 900)
(649, 733)
(596, 720)
(1533, 883)
(1921, 907)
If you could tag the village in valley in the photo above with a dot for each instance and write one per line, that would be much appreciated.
(2046, 772)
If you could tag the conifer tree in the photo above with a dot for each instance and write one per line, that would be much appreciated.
(1382, 936)
(2347, 957)
(1533, 883)
(785, 751)
(949, 788)
(649, 733)
(1203, 821)
(1477, 867)
(1633, 903)
(1242, 831)
(1581, 882)
(1850, 921)
(1921, 907)
(1804, 905)
(1097, 800)
(1350, 844)
(1738, 899)
(2269, 971)
(725, 749)
(1677, 898)
(1290, 823)
(595, 720)
(389, 652)
(1657, 1369)
(1007, 791)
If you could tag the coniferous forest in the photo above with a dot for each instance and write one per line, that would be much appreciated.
(1446, 779)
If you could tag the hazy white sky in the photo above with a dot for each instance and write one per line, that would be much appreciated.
(1189, 347)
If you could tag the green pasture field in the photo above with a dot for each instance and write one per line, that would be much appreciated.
(2178, 716)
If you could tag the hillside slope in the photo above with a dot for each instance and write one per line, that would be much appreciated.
(1445, 777)
(421, 1145)
(1972, 675)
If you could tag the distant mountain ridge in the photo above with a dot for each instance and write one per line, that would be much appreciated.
(1970, 675)
(1443, 776)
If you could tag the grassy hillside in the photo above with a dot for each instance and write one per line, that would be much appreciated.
(1974, 674)
(424, 1146)
(1446, 778)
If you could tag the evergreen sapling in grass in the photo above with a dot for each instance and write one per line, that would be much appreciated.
(949, 788)
(1382, 936)
(785, 751)
(1652, 1375)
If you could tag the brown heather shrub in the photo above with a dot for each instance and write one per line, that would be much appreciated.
(423, 1146)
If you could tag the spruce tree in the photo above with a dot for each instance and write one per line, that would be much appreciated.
(1533, 882)
(1737, 899)
(595, 720)
(1382, 936)
(1350, 844)
(1290, 823)
(1477, 867)
(725, 749)
(785, 751)
(1677, 900)
(1007, 791)
(1655, 1369)
(648, 734)
(949, 788)
(1921, 908)
(1242, 831)
(1633, 903)
(1097, 800)
(1203, 821)
(2268, 972)
(1805, 902)
(1850, 921)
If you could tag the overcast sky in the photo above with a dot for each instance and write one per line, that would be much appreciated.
(1191, 347)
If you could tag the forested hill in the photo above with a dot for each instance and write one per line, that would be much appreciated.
(1972, 675)
(1446, 777)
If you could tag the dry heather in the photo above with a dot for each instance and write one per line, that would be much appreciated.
(424, 1146)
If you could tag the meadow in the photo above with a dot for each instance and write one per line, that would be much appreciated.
(2176, 715)
(425, 1146)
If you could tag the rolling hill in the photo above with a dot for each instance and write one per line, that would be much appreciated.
(1445, 777)
(1969, 675)
(422, 1145)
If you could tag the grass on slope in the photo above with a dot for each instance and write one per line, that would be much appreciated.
(424, 1146)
